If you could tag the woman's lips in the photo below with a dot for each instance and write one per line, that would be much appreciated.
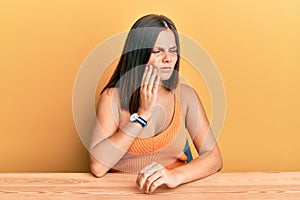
(165, 69)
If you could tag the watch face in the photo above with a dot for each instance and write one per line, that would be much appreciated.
(134, 117)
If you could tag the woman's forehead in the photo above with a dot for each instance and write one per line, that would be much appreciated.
(165, 39)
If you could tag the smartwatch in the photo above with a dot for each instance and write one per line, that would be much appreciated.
(136, 118)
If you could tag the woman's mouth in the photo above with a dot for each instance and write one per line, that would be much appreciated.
(165, 69)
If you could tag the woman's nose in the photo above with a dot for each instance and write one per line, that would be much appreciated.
(167, 57)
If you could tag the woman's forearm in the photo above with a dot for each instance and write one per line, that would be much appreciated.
(104, 154)
(200, 167)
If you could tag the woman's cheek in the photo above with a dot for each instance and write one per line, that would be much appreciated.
(174, 59)
(153, 60)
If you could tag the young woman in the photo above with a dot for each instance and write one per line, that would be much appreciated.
(145, 114)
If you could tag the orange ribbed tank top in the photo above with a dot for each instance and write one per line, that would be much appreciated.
(165, 148)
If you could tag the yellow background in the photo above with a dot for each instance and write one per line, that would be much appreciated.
(255, 44)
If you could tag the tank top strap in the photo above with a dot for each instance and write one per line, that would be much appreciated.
(177, 93)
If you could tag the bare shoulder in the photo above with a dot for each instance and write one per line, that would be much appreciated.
(109, 100)
(110, 94)
(189, 97)
(107, 114)
(185, 88)
(187, 92)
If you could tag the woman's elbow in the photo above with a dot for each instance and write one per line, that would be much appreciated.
(216, 159)
(97, 170)
(219, 161)
(219, 164)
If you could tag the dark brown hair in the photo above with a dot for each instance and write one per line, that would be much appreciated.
(136, 54)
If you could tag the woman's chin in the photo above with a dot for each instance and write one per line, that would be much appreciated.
(165, 77)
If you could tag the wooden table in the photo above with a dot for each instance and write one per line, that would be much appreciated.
(67, 186)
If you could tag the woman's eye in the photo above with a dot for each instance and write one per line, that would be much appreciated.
(173, 51)
(156, 51)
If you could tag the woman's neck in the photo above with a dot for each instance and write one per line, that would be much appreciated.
(162, 90)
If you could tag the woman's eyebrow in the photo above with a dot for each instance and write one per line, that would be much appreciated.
(174, 47)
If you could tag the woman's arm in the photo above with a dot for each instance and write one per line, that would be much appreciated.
(109, 143)
(209, 160)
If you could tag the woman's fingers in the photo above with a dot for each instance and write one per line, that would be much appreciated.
(154, 181)
(154, 168)
(151, 80)
(142, 171)
(154, 175)
(144, 75)
(156, 84)
(146, 172)
(158, 182)
(148, 90)
(148, 167)
(147, 76)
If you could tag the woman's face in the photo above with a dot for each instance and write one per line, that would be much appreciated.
(164, 54)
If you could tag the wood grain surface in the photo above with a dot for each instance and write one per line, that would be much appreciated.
(68, 186)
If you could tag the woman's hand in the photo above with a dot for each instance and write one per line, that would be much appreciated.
(148, 91)
(155, 175)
